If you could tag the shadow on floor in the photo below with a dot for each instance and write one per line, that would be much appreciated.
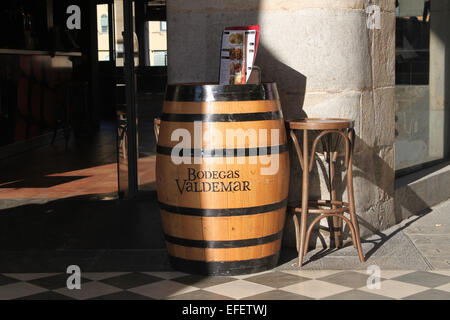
(59, 233)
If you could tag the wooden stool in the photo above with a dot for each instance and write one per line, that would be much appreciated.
(156, 126)
(342, 129)
(122, 133)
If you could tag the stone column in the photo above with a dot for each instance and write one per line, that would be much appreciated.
(326, 62)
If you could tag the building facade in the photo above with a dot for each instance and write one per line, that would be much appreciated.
(346, 59)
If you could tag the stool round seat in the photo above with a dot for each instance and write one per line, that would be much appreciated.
(320, 124)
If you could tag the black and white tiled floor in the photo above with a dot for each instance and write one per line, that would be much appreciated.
(271, 285)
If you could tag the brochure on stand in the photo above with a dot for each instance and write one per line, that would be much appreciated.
(238, 53)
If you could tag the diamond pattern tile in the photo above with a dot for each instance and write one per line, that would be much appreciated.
(89, 290)
(357, 295)
(47, 295)
(277, 295)
(202, 281)
(244, 276)
(28, 276)
(199, 295)
(388, 274)
(276, 279)
(423, 278)
(18, 290)
(131, 280)
(239, 289)
(312, 274)
(316, 289)
(162, 289)
(431, 294)
(54, 282)
(443, 272)
(122, 295)
(396, 289)
(166, 275)
(96, 276)
(347, 278)
(268, 285)
(445, 287)
(6, 280)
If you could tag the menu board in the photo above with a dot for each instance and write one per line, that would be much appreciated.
(238, 52)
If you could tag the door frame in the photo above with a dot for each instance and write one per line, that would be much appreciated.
(130, 93)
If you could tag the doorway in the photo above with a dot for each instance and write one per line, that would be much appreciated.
(133, 65)
(60, 197)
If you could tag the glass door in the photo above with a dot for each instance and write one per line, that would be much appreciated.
(110, 46)
(126, 51)
(152, 79)
(140, 59)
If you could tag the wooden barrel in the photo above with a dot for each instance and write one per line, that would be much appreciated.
(222, 173)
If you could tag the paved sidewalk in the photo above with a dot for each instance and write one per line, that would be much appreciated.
(418, 243)
(431, 235)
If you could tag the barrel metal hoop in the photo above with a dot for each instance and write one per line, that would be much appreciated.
(222, 117)
(225, 268)
(220, 153)
(223, 212)
(213, 92)
(223, 244)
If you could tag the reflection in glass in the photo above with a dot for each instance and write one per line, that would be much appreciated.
(102, 32)
(157, 33)
(119, 28)
(420, 116)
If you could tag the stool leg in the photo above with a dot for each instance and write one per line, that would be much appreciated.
(297, 231)
(351, 198)
(305, 195)
(336, 220)
(295, 217)
(156, 127)
(125, 145)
